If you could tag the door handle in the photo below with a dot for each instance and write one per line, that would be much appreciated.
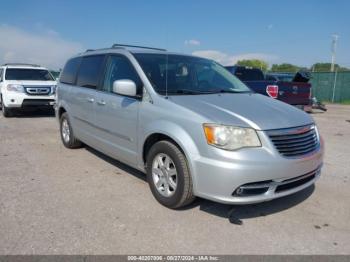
(101, 103)
(90, 100)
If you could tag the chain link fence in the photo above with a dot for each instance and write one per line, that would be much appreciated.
(331, 86)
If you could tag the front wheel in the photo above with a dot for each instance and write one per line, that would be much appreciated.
(168, 175)
(6, 112)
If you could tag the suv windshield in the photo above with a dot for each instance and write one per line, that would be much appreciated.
(28, 74)
(180, 74)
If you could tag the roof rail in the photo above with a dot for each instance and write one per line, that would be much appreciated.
(20, 64)
(137, 46)
(89, 50)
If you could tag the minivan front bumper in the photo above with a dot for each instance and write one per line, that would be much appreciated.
(263, 176)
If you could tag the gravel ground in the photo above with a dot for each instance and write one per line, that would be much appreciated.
(59, 201)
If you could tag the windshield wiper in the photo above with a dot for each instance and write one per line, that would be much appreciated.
(198, 92)
(231, 91)
(192, 92)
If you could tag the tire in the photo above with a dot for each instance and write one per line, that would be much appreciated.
(173, 191)
(6, 112)
(67, 135)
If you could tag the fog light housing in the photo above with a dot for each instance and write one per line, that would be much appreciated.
(252, 189)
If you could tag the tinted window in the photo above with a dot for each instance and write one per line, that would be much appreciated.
(28, 74)
(119, 67)
(246, 74)
(271, 78)
(90, 70)
(0, 75)
(70, 70)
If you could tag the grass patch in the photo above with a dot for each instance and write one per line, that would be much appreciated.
(344, 102)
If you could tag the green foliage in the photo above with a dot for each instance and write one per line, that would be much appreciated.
(285, 67)
(345, 102)
(289, 68)
(256, 63)
(326, 67)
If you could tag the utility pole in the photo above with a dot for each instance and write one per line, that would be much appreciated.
(334, 50)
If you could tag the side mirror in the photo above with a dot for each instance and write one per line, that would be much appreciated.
(124, 87)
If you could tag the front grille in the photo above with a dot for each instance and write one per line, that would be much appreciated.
(295, 183)
(295, 142)
(27, 103)
(38, 90)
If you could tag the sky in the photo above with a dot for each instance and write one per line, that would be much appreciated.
(298, 32)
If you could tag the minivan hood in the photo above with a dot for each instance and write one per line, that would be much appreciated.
(245, 110)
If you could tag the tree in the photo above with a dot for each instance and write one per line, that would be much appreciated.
(256, 63)
(285, 67)
(326, 67)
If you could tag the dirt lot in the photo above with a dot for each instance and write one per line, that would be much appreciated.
(59, 201)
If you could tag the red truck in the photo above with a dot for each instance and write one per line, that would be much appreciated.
(294, 90)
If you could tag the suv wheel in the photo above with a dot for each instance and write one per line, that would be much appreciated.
(168, 175)
(6, 112)
(67, 135)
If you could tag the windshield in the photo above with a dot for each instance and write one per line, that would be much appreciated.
(28, 74)
(178, 74)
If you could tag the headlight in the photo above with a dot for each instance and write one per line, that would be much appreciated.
(317, 133)
(53, 89)
(230, 137)
(15, 88)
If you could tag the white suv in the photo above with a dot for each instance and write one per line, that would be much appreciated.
(25, 86)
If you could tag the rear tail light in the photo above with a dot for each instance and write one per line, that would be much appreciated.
(272, 91)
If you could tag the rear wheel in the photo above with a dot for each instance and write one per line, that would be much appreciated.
(168, 175)
(67, 135)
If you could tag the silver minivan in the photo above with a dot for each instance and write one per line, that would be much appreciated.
(189, 124)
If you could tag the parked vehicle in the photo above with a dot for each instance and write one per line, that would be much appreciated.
(193, 127)
(25, 86)
(292, 89)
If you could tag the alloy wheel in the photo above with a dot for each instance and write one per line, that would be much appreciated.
(164, 175)
(65, 131)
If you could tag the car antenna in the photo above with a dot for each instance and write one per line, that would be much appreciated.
(166, 64)
(166, 77)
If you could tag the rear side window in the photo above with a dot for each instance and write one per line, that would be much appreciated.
(253, 74)
(271, 78)
(90, 71)
(70, 70)
(0, 75)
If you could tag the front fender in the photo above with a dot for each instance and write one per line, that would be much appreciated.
(176, 133)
